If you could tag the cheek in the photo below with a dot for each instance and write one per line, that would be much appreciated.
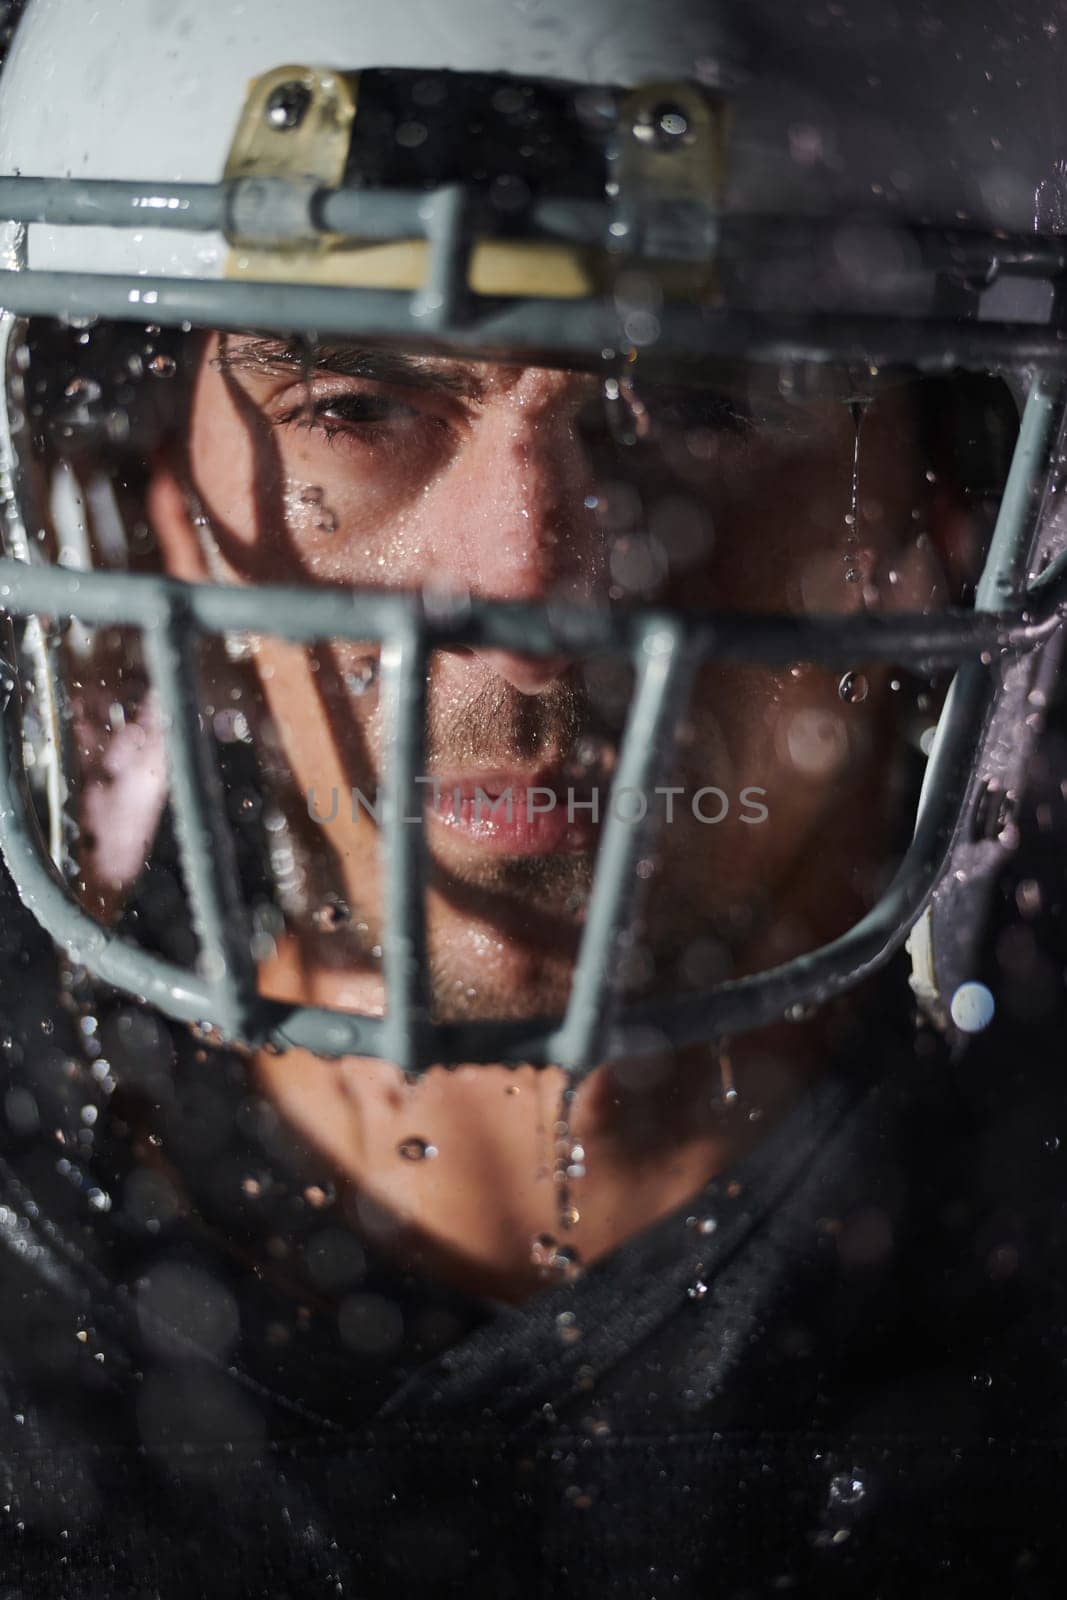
(336, 512)
(222, 458)
(787, 732)
(772, 516)
(347, 504)
(386, 529)
(325, 748)
(316, 704)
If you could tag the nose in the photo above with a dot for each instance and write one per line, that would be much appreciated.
(522, 528)
(527, 674)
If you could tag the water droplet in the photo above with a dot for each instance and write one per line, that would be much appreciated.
(85, 390)
(853, 688)
(857, 410)
(162, 366)
(231, 727)
(562, 1261)
(332, 915)
(972, 1007)
(415, 1149)
(799, 1012)
(411, 134)
(847, 1488)
(566, 1262)
(361, 678)
(697, 1291)
(542, 1249)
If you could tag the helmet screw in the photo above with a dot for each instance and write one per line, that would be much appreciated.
(663, 125)
(287, 105)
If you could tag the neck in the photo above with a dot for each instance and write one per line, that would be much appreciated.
(462, 1172)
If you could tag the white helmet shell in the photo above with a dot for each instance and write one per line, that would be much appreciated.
(153, 89)
(843, 108)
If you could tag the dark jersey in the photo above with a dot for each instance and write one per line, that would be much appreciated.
(838, 1370)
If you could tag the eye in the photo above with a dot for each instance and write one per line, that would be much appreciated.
(698, 408)
(352, 411)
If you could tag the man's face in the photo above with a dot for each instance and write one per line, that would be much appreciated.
(345, 465)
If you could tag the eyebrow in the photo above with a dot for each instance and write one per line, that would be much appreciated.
(253, 353)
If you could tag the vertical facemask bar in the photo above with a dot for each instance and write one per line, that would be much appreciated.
(159, 983)
(69, 519)
(663, 667)
(48, 753)
(403, 664)
(440, 301)
(943, 943)
(38, 646)
(1004, 574)
(207, 851)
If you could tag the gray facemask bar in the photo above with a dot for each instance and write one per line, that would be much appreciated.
(957, 265)
(663, 649)
(1010, 618)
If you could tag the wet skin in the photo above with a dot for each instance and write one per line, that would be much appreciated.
(357, 467)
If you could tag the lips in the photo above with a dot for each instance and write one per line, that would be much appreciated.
(517, 813)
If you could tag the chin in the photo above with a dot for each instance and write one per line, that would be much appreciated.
(479, 975)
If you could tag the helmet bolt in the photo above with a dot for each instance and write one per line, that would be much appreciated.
(287, 105)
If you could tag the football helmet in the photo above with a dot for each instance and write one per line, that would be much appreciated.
(841, 190)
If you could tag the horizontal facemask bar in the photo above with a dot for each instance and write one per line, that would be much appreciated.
(550, 329)
(224, 993)
(664, 650)
(302, 614)
(282, 213)
(940, 310)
